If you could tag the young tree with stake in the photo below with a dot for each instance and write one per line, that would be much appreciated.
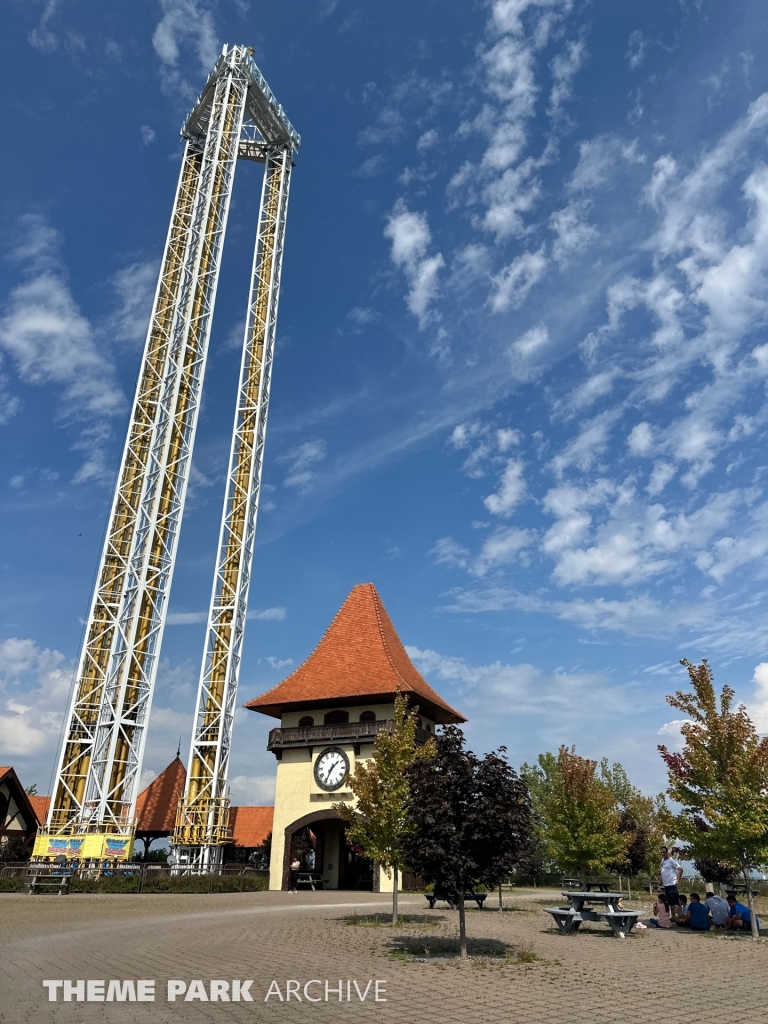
(378, 822)
(720, 778)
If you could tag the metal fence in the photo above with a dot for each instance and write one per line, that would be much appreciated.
(137, 877)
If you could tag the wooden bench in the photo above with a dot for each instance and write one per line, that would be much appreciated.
(478, 897)
(57, 884)
(568, 920)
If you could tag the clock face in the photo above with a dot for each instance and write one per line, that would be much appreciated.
(330, 768)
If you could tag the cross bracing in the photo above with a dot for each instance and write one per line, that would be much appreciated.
(236, 117)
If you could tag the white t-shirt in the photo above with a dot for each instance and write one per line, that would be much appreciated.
(718, 908)
(669, 871)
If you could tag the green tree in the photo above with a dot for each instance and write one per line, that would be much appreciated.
(642, 822)
(581, 817)
(539, 778)
(378, 821)
(469, 817)
(720, 779)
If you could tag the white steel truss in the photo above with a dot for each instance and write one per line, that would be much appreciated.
(203, 817)
(100, 761)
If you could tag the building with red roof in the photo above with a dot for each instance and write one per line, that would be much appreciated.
(330, 709)
(18, 816)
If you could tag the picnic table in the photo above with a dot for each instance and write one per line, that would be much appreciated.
(450, 899)
(312, 879)
(569, 919)
(574, 883)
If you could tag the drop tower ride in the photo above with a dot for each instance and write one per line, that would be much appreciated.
(92, 811)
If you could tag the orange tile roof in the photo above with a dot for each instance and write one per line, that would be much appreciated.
(359, 658)
(40, 805)
(250, 825)
(156, 805)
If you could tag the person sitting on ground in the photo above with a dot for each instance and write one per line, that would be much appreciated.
(698, 914)
(681, 912)
(739, 917)
(718, 908)
(662, 918)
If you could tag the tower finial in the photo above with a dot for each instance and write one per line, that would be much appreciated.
(178, 750)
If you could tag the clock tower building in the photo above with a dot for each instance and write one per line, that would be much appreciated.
(330, 710)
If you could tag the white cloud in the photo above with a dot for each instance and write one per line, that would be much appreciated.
(583, 450)
(600, 160)
(34, 686)
(41, 37)
(427, 140)
(660, 476)
(487, 445)
(513, 284)
(301, 459)
(636, 49)
(511, 490)
(501, 548)
(410, 236)
(447, 552)
(252, 790)
(671, 735)
(591, 390)
(148, 134)
(135, 288)
(525, 689)
(573, 233)
(51, 343)
(184, 22)
(640, 440)
(278, 663)
(268, 614)
(195, 618)
(758, 706)
(532, 342)
(564, 69)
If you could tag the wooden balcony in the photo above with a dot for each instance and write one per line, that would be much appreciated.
(356, 733)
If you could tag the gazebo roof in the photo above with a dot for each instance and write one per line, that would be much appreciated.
(360, 659)
(156, 805)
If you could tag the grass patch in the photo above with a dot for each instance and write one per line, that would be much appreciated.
(11, 883)
(441, 950)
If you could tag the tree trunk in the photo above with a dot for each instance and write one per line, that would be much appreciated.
(462, 927)
(750, 903)
(501, 898)
(394, 897)
(629, 888)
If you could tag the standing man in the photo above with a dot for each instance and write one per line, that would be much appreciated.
(671, 873)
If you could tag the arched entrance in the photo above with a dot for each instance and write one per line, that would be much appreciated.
(319, 839)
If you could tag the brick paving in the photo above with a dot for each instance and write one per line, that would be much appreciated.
(587, 978)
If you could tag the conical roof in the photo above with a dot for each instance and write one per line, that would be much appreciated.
(156, 805)
(361, 659)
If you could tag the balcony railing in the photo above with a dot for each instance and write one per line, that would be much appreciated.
(341, 732)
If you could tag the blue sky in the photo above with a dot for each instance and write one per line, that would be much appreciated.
(521, 359)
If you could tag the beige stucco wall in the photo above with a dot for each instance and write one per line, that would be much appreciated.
(297, 793)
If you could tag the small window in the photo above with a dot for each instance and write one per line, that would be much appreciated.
(306, 721)
(368, 716)
(336, 717)
(429, 727)
(419, 724)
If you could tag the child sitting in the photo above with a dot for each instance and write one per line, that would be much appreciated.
(662, 918)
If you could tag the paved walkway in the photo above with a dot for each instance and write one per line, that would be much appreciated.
(269, 938)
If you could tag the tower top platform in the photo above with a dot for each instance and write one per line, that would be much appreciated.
(360, 659)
